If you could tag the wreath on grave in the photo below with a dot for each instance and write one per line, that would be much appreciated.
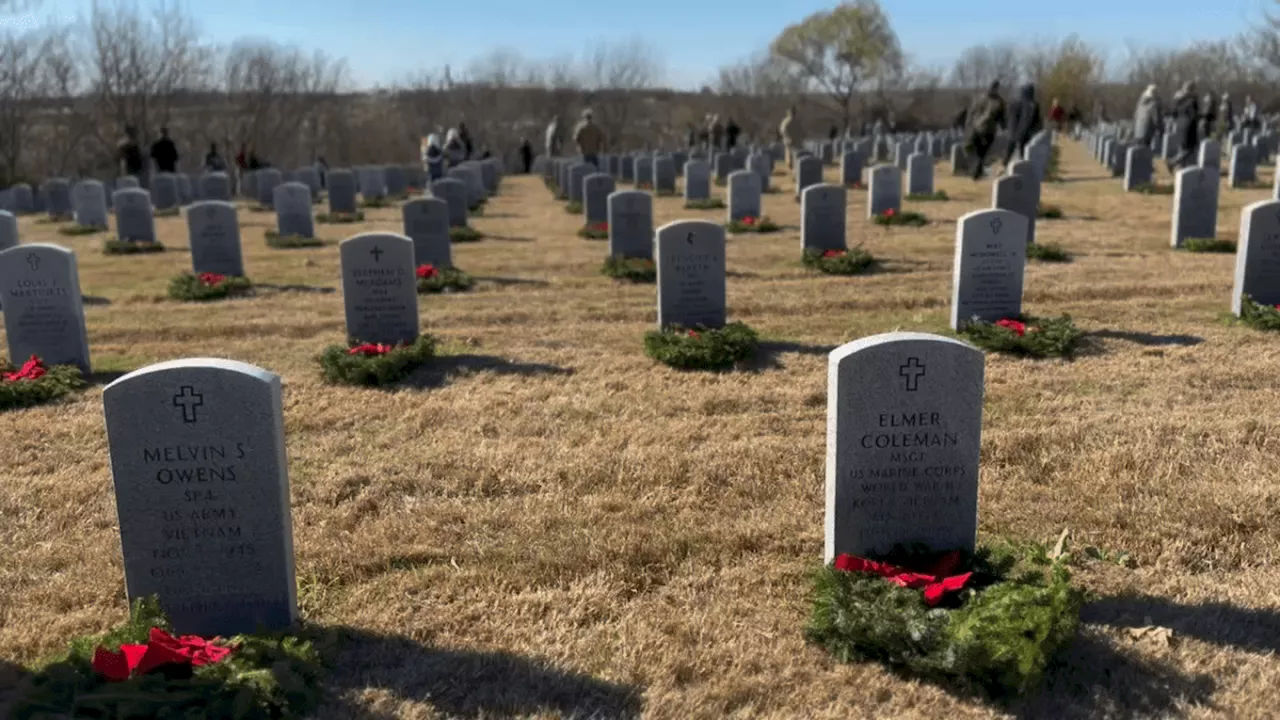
(334, 218)
(939, 195)
(637, 270)
(707, 204)
(1153, 189)
(701, 348)
(644, 186)
(35, 384)
(208, 286)
(1047, 253)
(129, 246)
(573, 208)
(167, 212)
(373, 364)
(1207, 245)
(594, 231)
(432, 279)
(141, 670)
(1049, 212)
(1258, 316)
(289, 242)
(464, 233)
(78, 229)
(908, 218)
(853, 261)
(988, 622)
(376, 203)
(1025, 336)
(750, 224)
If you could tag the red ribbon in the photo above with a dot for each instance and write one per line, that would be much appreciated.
(936, 583)
(161, 649)
(32, 369)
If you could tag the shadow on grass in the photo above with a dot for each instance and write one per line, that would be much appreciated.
(1086, 178)
(1093, 679)
(94, 300)
(444, 368)
(768, 353)
(465, 683)
(498, 280)
(1248, 629)
(1148, 339)
(102, 378)
(296, 288)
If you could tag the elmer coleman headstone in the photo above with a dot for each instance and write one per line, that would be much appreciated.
(904, 428)
(202, 494)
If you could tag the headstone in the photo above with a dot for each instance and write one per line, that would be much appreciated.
(379, 288)
(691, 274)
(397, 186)
(1258, 255)
(135, 219)
(664, 175)
(43, 308)
(1210, 154)
(215, 186)
(23, 199)
(723, 163)
(126, 182)
(850, 169)
(596, 189)
(697, 181)
(426, 223)
(808, 173)
(1195, 204)
(341, 185)
(904, 431)
(991, 256)
(920, 174)
(267, 180)
(89, 203)
(184, 189)
(1020, 194)
(822, 218)
(373, 182)
(1038, 155)
(310, 177)
(164, 191)
(628, 168)
(292, 202)
(631, 224)
(961, 162)
(577, 174)
(760, 165)
(884, 190)
(8, 232)
(454, 193)
(744, 195)
(1244, 166)
(202, 494)
(644, 171)
(57, 193)
(213, 232)
(1139, 169)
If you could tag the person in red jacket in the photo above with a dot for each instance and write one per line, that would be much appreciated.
(1057, 115)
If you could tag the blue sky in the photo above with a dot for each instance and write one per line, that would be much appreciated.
(386, 40)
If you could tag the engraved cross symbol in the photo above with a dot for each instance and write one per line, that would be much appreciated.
(376, 252)
(689, 239)
(188, 400)
(34, 261)
(996, 225)
(912, 371)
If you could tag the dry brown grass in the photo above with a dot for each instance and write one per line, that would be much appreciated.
(552, 521)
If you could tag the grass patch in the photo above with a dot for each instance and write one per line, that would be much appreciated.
(130, 247)
(1208, 245)
(594, 231)
(1259, 317)
(1049, 212)
(1047, 253)
(1025, 336)
(358, 363)
(35, 384)
(336, 218)
(260, 208)
(636, 270)
(995, 637)
(853, 261)
(936, 196)
(266, 676)
(707, 204)
(168, 212)
(464, 233)
(204, 287)
(701, 348)
(749, 224)
(442, 280)
(75, 230)
(908, 218)
(573, 208)
(290, 242)
(376, 203)
(1153, 189)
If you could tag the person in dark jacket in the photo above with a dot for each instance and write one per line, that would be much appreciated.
(731, 133)
(1208, 114)
(1025, 120)
(165, 153)
(129, 153)
(213, 162)
(465, 136)
(1186, 115)
(985, 115)
(526, 155)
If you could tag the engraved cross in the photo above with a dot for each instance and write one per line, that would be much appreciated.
(188, 400)
(912, 371)
(376, 252)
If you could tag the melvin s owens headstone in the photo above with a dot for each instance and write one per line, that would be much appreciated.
(202, 494)
(904, 429)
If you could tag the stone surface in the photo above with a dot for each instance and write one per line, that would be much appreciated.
(292, 202)
(1195, 205)
(851, 169)
(697, 181)
(89, 203)
(990, 260)
(1021, 194)
(135, 220)
(631, 224)
(202, 494)
(426, 223)
(341, 186)
(822, 218)
(904, 432)
(884, 190)
(691, 274)
(213, 231)
(1258, 255)
(57, 194)
(266, 182)
(808, 172)
(164, 191)
(43, 309)
(8, 232)
(920, 174)
(1243, 170)
(215, 186)
(454, 193)
(1139, 169)
(744, 195)
(379, 288)
(596, 189)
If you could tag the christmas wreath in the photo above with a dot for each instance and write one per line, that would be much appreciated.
(637, 270)
(34, 383)
(1259, 316)
(751, 224)
(1047, 253)
(853, 261)
(361, 363)
(432, 279)
(289, 242)
(594, 231)
(334, 218)
(129, 246)
(1026, 336)
(701, 348)
(1207, 245)
(908, 218)
(704, 204)
(208, 286)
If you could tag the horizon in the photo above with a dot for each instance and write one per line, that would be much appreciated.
(378, 37)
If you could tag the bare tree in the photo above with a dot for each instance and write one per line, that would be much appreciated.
(980, 65)
(28, 76)
(1069, 71)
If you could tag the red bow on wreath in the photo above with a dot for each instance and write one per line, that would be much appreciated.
(935, 583)
(32, 369)
(370, 349)
(161, 649)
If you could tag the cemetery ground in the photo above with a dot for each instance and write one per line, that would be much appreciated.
(545, 522)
